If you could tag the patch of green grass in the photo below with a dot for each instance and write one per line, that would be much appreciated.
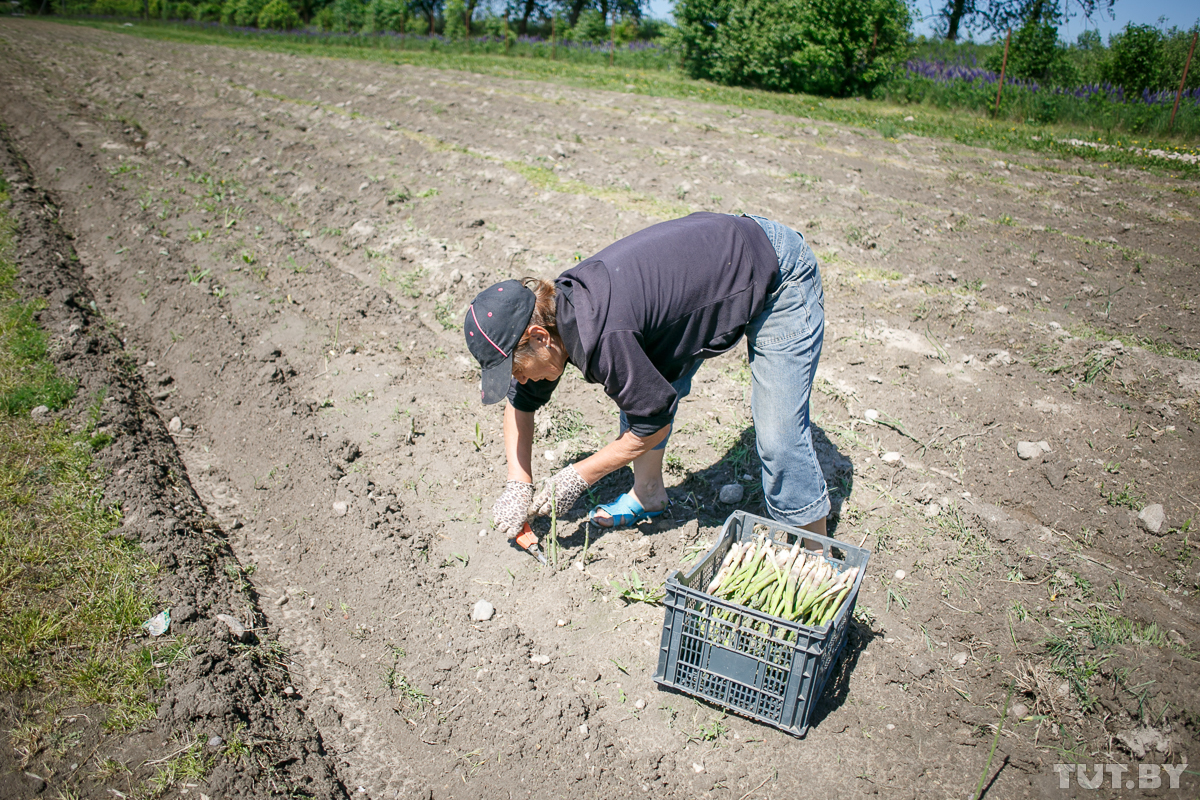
(27, 376)
(189, 765)
(877, 274)
(72, 596)
(633, 590)
(1125, 498)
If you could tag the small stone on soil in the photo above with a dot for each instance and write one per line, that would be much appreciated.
(639, 704)
(175, 425)
(340, 508)
(900, 574)
(1152, 518)
(214, 741)
(1020, 710)
(1028, 450)
(960, 659)
(732, 493)
(483, 611)
(871, 414)
(932, 510)
(890, 458)
(39, 411)
(541, 658)
(583, 730)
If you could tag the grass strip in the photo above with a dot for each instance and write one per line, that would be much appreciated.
(887, 118)
(71, 596)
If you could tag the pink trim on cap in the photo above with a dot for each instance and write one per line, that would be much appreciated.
(481, 330)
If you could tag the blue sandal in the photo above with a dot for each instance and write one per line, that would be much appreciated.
(625, 510)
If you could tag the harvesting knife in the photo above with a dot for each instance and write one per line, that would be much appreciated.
(528, 542)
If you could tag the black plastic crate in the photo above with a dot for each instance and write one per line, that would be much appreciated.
(774, 675)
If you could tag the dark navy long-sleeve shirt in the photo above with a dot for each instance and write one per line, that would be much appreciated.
(639, 313)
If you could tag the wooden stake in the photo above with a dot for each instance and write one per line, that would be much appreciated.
(1003, 66)
(1179, 92)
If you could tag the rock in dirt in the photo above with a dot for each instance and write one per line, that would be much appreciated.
(39, 411)
(236, 629)
(175, 425)
(483, 611)
(340, 508)
(1140, 741)
(541, 659)
(890, 458)
(1028, 450)
(732, 493)
(1152, 518)
(1019, 711)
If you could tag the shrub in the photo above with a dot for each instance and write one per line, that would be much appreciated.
(278, 15)
(589, 28)
(1175, 50)
(1135, 58)
(386, 15)
(183, 10)
(349, 16)
(830, 47)
(117, 8)
(1035, 53)
(208, 12)
(323, 19)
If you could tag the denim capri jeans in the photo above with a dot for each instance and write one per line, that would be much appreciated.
(784, 344)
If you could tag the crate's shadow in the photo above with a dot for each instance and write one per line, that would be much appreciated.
(837, 687)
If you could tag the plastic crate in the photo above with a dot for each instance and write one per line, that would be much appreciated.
(775, 676)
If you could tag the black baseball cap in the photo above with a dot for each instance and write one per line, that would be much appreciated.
(495, 323)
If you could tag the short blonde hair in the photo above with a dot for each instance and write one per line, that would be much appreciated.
(544, 314)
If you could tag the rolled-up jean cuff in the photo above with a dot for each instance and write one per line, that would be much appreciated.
(661, 445)
(817, 509)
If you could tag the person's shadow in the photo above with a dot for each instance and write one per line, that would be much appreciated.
(698, 496)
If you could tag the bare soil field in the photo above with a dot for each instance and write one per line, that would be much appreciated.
(1008, 405)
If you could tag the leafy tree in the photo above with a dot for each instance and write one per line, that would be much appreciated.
(278, 15)
(998, 16)
(1136, 58)
(455, 14)
(429, 10)
(830, 47)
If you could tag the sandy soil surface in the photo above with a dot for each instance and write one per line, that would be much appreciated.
(284, 247)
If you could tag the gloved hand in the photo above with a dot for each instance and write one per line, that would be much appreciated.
(559, 493)
(512, 508)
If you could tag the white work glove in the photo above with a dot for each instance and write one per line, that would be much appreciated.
(558, 493)
(512, 508)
